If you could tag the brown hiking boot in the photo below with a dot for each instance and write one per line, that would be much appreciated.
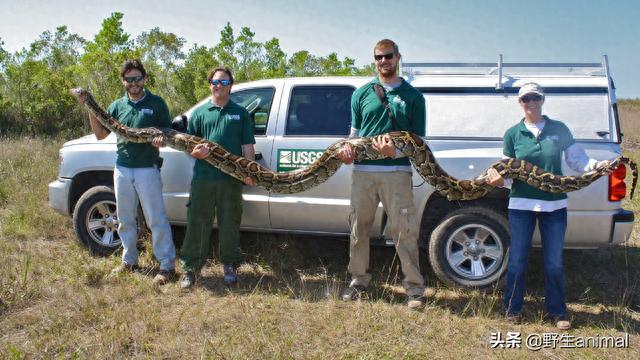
(416, 302)
(562, 322)
(164, 276)
(514, 319)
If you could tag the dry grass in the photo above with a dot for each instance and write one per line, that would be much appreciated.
(56, 300)
(629, 112)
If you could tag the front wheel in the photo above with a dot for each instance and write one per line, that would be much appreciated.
(469, 248)
(95, 221)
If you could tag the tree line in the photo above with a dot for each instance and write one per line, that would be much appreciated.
(35, 81)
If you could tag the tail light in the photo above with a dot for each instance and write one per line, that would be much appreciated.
(617, 187)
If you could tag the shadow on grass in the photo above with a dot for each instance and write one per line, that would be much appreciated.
(602, 290)
(602, 286)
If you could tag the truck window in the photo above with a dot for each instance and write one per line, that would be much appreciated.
(319, 110)
(490, 115)
(258, 103)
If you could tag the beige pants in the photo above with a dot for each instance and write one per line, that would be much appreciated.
(395, 191)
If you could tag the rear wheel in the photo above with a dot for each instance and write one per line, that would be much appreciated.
(469, 248)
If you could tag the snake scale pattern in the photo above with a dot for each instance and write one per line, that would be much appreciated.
(327, 164)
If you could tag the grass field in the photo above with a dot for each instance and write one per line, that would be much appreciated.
(57, 302)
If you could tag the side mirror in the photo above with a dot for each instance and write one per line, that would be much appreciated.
(260, 119)
(179, 123)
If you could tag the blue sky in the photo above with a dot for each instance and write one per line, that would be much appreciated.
(455, 30)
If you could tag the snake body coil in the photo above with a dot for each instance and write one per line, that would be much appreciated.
(327, 164)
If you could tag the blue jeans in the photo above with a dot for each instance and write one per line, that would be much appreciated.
(552, 227)
(144, 184)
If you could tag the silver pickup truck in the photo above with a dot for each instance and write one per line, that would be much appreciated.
(469, 107)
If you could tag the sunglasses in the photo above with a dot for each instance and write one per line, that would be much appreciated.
(132, 79)
(388, 56)
(215, 82)
(529, 98)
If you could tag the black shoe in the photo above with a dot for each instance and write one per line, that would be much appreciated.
(354, 292)
(188, 280)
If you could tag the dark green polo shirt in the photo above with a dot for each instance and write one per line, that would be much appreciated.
(231, 127)
(148, 112)
(544, 151)
(372, 118)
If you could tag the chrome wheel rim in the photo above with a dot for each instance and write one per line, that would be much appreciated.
(102, 224)
(474, 251)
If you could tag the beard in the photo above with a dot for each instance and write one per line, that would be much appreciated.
(387, 72)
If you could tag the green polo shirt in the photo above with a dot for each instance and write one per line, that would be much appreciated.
(148, 112)
(230, 126)
(371, 118)
(544, 151)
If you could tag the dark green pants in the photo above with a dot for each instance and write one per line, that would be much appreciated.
(207, 199)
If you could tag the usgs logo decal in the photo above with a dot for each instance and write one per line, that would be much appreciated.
(291, 159)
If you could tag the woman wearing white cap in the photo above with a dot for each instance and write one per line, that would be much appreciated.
(540, 141)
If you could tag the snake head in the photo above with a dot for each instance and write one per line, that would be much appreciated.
(617, 161)
(80, 94)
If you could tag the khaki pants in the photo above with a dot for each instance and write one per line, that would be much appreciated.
(394, 190)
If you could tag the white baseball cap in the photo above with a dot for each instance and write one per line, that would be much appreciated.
(530, 88)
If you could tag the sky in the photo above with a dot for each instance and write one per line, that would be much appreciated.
(427, 30)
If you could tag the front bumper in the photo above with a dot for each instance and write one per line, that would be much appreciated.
(621, 226)
(59, 195)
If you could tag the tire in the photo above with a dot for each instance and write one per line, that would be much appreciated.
(469, 248)
(95, 221)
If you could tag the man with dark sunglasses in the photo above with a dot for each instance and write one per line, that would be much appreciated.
(136, 176)
(213, 193)
(387, 103)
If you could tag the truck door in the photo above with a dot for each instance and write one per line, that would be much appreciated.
(177, 170)
(258, 101)
(315, 117)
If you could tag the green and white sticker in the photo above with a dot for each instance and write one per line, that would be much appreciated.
(292, 159)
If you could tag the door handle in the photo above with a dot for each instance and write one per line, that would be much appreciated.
(258, 156)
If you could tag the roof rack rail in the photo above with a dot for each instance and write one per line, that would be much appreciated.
(501, 69)
(504, 70)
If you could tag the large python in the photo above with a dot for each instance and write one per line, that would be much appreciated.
(327, 164)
